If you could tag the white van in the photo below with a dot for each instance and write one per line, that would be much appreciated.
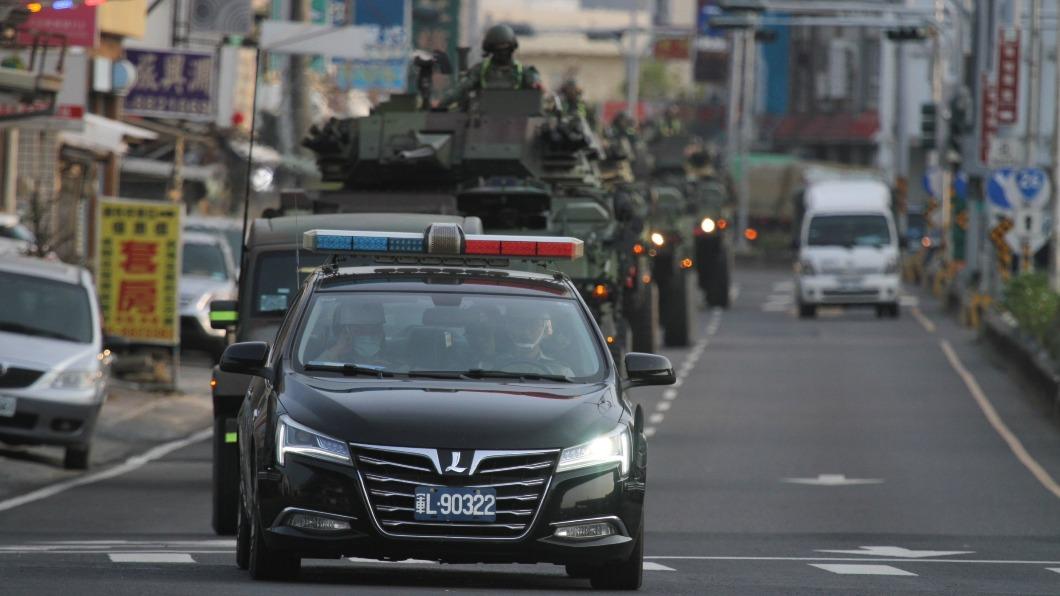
(848, 248)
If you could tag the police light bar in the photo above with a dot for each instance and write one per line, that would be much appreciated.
(443, 240)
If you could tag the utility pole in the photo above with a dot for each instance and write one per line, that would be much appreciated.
(938, 98)
(1054, 262)
(1034, 82)
(732, 131)
(746, 134)
(633, 65)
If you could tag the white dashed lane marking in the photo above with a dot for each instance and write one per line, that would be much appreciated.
(150, 558)
(844, 569)
(682, 372)
(649, 566)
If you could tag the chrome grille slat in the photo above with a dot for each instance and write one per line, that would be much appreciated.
(452, 525)
(381, 462)
(537, 466)
(519, 478)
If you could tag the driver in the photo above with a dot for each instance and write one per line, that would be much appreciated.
(527, 327)
(359, 337)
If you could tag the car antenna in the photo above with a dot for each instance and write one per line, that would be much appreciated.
(250, 167)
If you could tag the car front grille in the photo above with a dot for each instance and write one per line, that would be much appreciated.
(390, 475)
(14, 378)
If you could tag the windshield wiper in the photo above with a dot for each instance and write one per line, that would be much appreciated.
(478, 373)
(26, 330)
(349, 369)
(437, 374)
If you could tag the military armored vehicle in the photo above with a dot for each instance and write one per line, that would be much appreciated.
(715, 210)
(520, 168)
(273, 267)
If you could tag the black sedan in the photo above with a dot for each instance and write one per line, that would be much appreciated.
(452, 414)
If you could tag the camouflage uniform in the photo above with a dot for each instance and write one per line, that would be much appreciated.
(493, 73)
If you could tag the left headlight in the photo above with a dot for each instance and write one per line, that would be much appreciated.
(707, 225)
(76, 379)
(612, 448)
(292, 437)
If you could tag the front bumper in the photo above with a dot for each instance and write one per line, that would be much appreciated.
(335, 490)
(848, 290)
(47, 422)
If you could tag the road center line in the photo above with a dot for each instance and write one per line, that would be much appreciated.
(923, 320)
(130, 464)
(999, 425)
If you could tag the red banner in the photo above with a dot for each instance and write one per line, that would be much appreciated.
(1008, 76)
(987, 116)
(77, 24)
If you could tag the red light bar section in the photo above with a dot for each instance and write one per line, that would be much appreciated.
(523, 246)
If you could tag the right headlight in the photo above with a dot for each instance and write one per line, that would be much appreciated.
(612, 448)
(292, 437)
(76, 379)
(707, 225)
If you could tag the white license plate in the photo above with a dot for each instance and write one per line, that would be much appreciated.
(455, 504)
(7, 406)
(850, 282)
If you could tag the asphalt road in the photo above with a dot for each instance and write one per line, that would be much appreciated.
(842, 455)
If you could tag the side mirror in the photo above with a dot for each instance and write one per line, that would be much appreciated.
(246, 358)
(649, 369)
(224, 314)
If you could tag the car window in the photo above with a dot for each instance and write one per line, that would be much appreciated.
(849, 230)
(204, 260)
(45, 308)
(445, 332)
(277, 277)
(17, 232)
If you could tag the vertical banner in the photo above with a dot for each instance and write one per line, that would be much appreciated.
(1008, 76)
(138, 264)
(711, 49)
(987, 116)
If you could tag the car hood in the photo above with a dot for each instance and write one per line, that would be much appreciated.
(42, 353)
(195, 286)
(452, 415)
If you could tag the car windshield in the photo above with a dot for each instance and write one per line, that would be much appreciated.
(849, 230)
(204, 260)
(277, 277)
(449, 335)
(233, 236)
(16, 232)
(44, 308)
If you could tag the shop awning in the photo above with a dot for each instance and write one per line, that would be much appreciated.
(104, 135)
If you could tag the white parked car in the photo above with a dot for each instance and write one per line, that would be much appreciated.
(207, 273)
(15, 238)
(53, 370)
(848, 248)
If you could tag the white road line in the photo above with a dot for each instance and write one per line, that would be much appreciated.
(130, 464)
(670, 394)
(908, 300)
(734, 292)
(377, 561)
(849, 560)
(1053, 569)
(863, 569)
(150, 558)
(649, 566)
(656, 418)
(923, 320)
(663, 406)
(649, 432)
(999, 425)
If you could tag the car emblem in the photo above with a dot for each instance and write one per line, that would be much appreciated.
(455, 459)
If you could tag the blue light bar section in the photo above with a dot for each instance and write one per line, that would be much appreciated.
(370, 243)
(406, 245)
(326, 242)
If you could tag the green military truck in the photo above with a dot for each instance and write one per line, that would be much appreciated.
(273, 268)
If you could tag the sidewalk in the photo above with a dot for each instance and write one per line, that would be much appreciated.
(131, 422)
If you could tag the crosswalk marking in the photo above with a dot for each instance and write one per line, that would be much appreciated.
(843, 569)
(150, 558)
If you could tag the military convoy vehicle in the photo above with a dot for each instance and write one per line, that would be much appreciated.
(520, 168)
(273, 267)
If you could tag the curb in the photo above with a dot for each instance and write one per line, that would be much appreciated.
(1024, 356)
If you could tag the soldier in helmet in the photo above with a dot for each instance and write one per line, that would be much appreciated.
(498, 70)
(570, 95)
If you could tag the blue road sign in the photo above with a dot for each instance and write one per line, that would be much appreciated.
(1032, 183)
(996, 189)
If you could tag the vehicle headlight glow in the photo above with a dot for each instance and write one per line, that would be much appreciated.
(707, 225)
(292, 437)
(612, 448)
(658, 239)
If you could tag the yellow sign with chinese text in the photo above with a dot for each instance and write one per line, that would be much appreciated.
(138, 254)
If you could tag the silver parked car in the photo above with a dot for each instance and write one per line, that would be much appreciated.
(207, 273)
(15, 237)
(53, 369)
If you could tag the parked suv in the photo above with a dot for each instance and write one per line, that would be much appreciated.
(52, 366)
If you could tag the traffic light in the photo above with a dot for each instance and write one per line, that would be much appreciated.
(961, 122)
(908, 34)
(928, 125)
